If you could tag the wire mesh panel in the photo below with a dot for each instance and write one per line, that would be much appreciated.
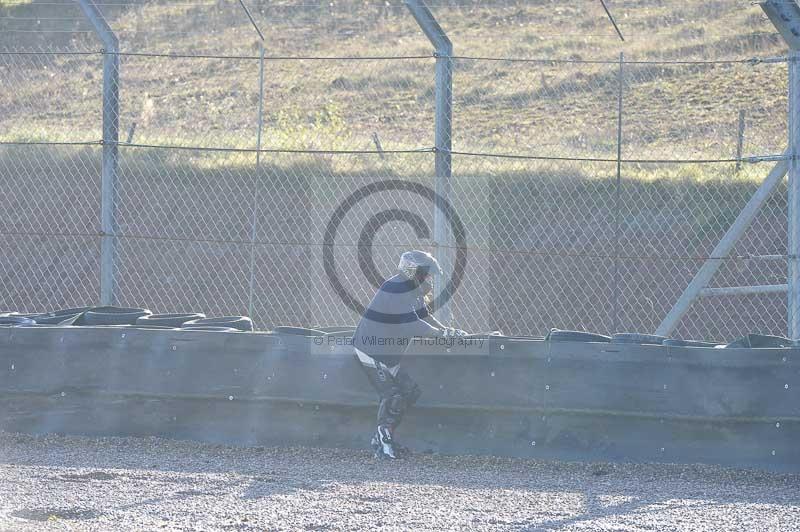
(663, 30)
(162, 103)
(340, 205)
(590, 192)
(670, 227)
(348, 104)
(50, 230)
(49, 96)
(691, 110)
(520, 107)
(544, 231)
(183, 226)
(55, 26)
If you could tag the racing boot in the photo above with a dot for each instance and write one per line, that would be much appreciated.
(400, 450)
(384, 445)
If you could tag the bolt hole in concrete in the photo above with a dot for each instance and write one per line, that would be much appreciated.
(54, 514)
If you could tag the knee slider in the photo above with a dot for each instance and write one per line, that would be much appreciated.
(413, 395)
(396, 404)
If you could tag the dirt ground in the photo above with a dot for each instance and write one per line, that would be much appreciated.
(74, 483)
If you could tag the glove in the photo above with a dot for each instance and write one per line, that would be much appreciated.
(461, 332)
(450, 331)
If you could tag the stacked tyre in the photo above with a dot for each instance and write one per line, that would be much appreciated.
(298, 331)
(112, 316)
(558, 335)
(65, 316)
(172, 321)
(12, 320)
(224, 323)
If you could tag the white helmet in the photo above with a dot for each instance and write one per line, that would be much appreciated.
(417, 264)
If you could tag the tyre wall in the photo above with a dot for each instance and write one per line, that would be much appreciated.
(505, 396)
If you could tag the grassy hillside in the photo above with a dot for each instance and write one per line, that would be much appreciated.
(558, 109)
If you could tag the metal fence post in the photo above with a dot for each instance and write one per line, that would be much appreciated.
(443, 139)
(793, 302)
(615, 297)
(740, 139)
(110, 149)
(251, 295)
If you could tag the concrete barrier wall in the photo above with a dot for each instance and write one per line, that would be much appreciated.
(517, 397)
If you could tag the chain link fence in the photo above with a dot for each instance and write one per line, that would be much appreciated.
(591, 190)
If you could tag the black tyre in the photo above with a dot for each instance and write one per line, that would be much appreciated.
(210, 328)
(112, 316)
(687, 343)
(240, 323)
(557, 335)
(16, 321)
(756, 341)
(65, 316)
(499, 336)
(66, 311)
(484, 336)
(635, 338)
(169, 320)
(335, 329)
(44, 319)
(342, 332)
(297, 331)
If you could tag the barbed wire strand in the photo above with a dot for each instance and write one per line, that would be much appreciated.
(752, 159)
(272, 150)
(545, 60)
(300, 243)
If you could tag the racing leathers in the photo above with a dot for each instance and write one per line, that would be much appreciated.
(396, 314)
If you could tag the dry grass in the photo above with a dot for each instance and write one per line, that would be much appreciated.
(670, 111)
